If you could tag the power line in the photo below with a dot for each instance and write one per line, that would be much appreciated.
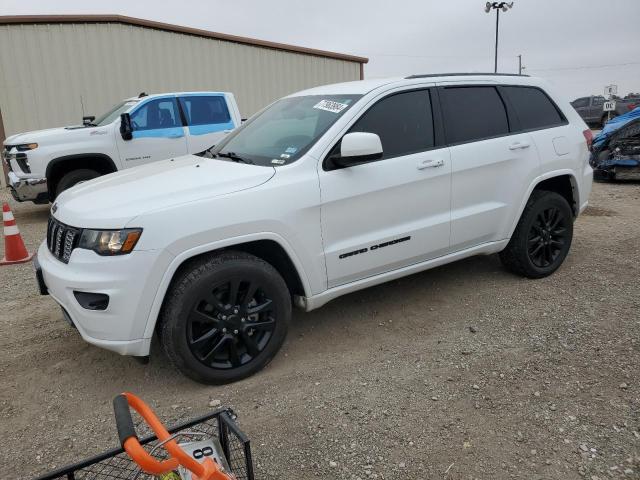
(583, 67)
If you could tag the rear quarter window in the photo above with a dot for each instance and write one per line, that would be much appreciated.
(533, 107)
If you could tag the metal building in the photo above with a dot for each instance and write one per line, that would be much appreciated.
(55, 69)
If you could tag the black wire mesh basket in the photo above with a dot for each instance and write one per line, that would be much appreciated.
(116, 465)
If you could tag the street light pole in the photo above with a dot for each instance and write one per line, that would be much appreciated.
(495, 64)
(497, 6)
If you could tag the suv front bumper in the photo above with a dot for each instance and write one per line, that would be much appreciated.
(125, 279)
(28, 189)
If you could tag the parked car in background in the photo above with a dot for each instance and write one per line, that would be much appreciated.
(325, 192)
(616, 150)
(591, 109)
(139, 130)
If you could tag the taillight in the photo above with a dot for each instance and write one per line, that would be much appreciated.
(632, 106)
(588, 136)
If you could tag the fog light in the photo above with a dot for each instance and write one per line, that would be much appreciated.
(92, 301)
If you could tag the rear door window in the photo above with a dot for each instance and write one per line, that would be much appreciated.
(205, 110)
(403, 122)
(533, 107)
(473, 113)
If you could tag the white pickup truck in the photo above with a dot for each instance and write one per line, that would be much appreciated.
(138, 130)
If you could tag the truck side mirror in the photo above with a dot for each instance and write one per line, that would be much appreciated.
(125, 127)
(88, 120)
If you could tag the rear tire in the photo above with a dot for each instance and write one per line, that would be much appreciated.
(75, 177)
(542, 238)
(225, 317)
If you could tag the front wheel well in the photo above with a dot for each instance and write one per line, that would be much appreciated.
(268, 250)
(59, 167)
(563, 185)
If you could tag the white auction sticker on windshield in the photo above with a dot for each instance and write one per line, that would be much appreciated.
(330, 106)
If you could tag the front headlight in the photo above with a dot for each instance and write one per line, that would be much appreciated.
(110, 242)
(26, 146)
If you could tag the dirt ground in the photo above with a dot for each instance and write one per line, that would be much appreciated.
(461, 372)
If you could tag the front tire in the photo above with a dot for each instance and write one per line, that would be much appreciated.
(542, 237)
(75, 177)
(225, 317)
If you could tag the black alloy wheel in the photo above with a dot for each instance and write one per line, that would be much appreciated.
(542, 238)
(547, 237)
(225, 317)
(231, 324)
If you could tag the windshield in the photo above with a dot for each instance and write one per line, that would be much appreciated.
(283, 132)
(114, 113)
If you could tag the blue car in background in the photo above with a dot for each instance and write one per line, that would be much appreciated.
(616, 149)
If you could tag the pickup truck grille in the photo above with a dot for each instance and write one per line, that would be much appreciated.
(62, 239)
(5, 152)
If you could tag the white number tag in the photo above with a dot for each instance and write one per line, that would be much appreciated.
(330, 106)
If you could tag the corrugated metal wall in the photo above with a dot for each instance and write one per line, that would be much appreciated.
(48, 71)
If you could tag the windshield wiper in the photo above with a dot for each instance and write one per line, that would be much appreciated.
(235, 157)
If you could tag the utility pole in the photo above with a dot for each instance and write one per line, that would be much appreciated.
(497, 6)
(519, 64)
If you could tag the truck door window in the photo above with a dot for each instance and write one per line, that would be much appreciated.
(156, 114)
(205, 110)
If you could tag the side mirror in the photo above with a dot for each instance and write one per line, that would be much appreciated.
(125, 127)
(88, 120)
(357, 148)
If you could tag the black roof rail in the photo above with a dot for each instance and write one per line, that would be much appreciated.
(468, 74)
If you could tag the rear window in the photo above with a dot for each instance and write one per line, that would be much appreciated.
(533, 107)
(580, 102)
(473, 113)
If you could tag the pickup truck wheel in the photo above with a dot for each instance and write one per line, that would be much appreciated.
(74, 177)
(225, 318)
(542, 238)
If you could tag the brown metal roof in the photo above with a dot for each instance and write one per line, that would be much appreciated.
(31, 19)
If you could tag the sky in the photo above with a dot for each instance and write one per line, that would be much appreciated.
(569, 42)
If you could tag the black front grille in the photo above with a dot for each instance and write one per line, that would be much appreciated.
(61, 239)
(5, 152)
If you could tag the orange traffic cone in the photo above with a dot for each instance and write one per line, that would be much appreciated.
(14, 249)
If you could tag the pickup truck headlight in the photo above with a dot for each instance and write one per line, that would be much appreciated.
(26, 146)
(110, 242)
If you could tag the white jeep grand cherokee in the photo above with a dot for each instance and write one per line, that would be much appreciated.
(324, 192)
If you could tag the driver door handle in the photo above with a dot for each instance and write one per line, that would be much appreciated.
(432, 163)
(519, 146)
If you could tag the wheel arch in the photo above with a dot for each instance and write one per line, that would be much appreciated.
(563, 182)
(269, 247)
(60, 166)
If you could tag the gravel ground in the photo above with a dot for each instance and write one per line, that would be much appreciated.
(461, 372)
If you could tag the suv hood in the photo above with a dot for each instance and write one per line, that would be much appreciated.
(114, 200)
(52, 136)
